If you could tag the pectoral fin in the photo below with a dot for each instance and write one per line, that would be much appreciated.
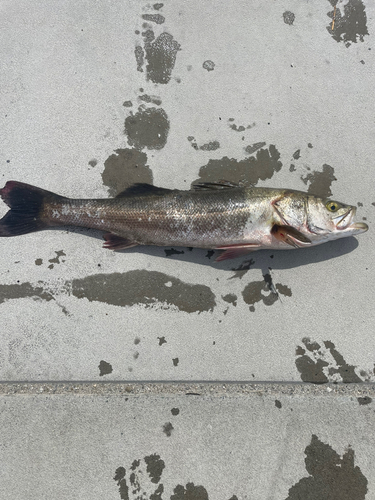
(289, 235)
(115, 242)
(233, 251)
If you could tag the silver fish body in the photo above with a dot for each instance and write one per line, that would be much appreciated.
(215, 216)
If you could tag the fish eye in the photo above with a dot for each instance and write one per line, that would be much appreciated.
(332, 206)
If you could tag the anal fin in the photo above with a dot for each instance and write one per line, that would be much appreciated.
(234, 251)
(116, 242)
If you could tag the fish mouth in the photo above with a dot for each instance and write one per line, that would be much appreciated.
(343, 221)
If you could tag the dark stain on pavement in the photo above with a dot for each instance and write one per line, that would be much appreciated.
(366, 400)
(124, 168)
(149, 288)
(175, 361)
(56, 260)
(24, 290)
(190, 492)
(349, 22)
(160, 54)
(277, 404)
(175, 411)
(148, 128)
(324, 364)
(104, 368)
(231, 298)
(248, 171)
(167, 429)
(209, 65)
(264, 291)
(289, 17)
(155, 467)
(320, 182)
(330, 476)
(154, 18)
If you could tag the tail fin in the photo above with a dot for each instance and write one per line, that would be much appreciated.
(25, 203)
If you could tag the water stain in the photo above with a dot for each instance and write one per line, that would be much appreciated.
(251, 148)
(289, 17)
(104, 368)
(161, 340)
(231, 298)
(175, 411)
(278, 404)
(150, 99)
(242, 269)
(158, 6)
(93, 162)
(121, 483)
(139, 58)
(160, 54)
(325, 364)
(247, 172)
(209, 65)
(320, 182)
(148, 128)
(124, 168)
(292, 168)
(175, 361)
(190, 492)
(38, 262)
(154, 18)
(349, 22)
(264, 291)
(149, 288)
(155, 467)
(209, 146)
(172, 251)
(167, 429)
(297, 154)
(24, 290)
(127, 104)
(56, 260)
(366, 400)
(330, 476)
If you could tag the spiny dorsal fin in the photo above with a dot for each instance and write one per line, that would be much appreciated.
(143, 189)
(221, 184)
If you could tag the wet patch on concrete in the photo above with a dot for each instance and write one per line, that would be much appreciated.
(127, 104)
(175, 411)
(160, 54)
(208, 65)
(139, 57)
(161, 340)
(239, 128)
(93, 162)
(24, 290)
(151, 289)
(56, 260)
(167, 429)
(330, 476)
(366, 400)
(251, 148)
(124, 168)
(190, 492)
(172, 251)
(154, 18)
(264, 291)
(175, 361)
(158, 6)
(153, 99)
(319, 363)
(142, 479)
(278, 404)
(297, 154)
(349, 21)
(249, 171)
(231, 298)
(38, 262)
(104, 368)
(289, 17)
(242, 269)
(320, 182)
(209, 146)
(148, 128)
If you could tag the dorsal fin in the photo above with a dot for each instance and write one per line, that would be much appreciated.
(221, 184)
(143, 189)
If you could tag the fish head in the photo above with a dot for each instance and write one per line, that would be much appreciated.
(332, 219)
(317, 218)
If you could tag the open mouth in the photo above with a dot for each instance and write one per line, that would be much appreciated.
(343, 221)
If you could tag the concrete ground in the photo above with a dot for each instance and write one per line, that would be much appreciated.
(156, 372)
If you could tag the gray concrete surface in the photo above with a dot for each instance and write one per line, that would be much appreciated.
(106, 358)
(200, 442)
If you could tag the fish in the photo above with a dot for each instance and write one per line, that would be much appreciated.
(214, 215)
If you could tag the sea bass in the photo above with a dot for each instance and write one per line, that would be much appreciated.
(221, 216)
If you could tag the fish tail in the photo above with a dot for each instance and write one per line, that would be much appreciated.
(26, 206)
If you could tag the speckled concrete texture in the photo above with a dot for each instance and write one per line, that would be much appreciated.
(158, 373)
